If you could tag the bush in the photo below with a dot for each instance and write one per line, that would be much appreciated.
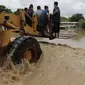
(76, 17)
(17, 12)
(82, 23)
(3, 8)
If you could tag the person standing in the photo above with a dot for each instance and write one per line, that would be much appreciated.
(56, 20)
(38, 13)
(30, 14)
(44, 20)
(30, 10)
(26, 17)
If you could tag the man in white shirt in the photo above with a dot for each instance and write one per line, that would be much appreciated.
(38, 14)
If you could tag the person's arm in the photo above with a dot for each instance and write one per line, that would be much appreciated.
(56, 10)
(34, 13)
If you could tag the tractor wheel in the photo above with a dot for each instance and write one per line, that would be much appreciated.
(24, 48)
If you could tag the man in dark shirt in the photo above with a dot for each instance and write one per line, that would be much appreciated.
(56, 20)
(30, 10)
(30, 13)
(26, 17)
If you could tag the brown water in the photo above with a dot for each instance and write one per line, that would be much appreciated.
(75, 40)
(80, 35)
(59, 65)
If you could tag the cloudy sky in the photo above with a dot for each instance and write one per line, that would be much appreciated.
(67, 7)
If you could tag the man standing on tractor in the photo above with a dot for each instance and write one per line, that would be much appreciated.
(44, 20)
(30, 10)
(56, 20)
(30, 14)
(26, 17)
(38, 13)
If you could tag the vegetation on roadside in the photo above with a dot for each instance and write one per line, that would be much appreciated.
(76, 17)
(3, 8)
(17, 12)
(82, 23)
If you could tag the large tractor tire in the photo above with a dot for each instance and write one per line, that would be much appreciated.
(24, 48)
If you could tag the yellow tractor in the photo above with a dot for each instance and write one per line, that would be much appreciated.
(16, 38)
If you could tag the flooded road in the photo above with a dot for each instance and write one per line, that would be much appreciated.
(69, 42)
(60, 64)
(71, 39)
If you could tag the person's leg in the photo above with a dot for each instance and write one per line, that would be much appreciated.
(54, 30)
(45, 23)
(57, 29)
(41, 29)
(51, 27)
(41, 25)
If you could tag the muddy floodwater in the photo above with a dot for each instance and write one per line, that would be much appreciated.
(62, 63)
(70, 38)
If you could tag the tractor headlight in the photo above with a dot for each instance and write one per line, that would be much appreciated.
(12, 39)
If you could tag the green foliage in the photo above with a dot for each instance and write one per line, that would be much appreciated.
(64, 19)
(82, 23)
(17, 12)
(76, 17)
(8, 10)
(3, 8)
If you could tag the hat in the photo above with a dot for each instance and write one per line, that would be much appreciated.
(56, 3)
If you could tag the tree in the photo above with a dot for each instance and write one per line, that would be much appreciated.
(76, 17)
(3, 8)
(17, 12)
(8, 10)
(82, 23)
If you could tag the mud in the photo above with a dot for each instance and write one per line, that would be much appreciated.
(61, 65)
(58, 65)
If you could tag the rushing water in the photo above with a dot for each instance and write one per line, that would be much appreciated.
(80, 36)
(78, 41)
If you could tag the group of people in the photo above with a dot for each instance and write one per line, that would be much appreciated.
(45, 20)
